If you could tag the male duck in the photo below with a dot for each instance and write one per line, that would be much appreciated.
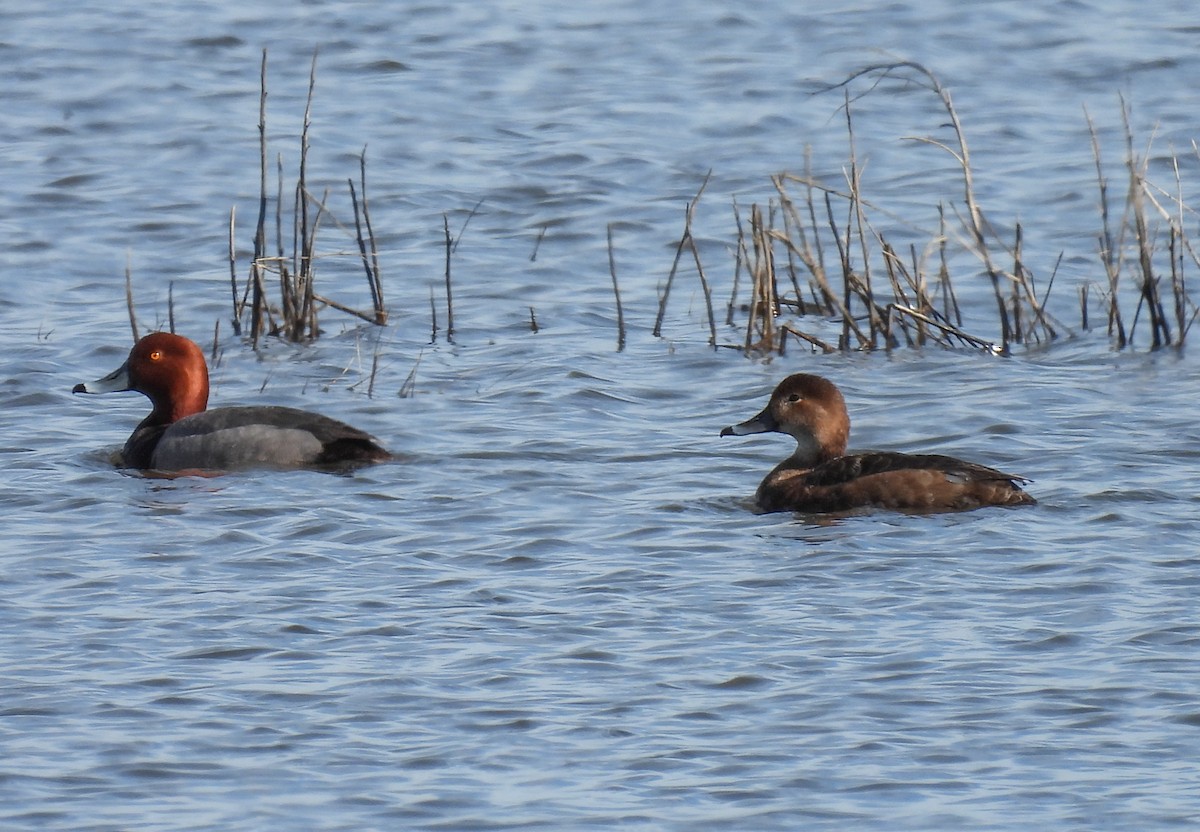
(180, 435)
(820, 477)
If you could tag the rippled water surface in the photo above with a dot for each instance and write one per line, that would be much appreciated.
(557, 609)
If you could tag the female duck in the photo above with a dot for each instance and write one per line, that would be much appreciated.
(819, 476)
(179, 434)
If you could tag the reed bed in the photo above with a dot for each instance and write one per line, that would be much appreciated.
(814, 252)
(812, 266)
(1151, 228)
(294, 315)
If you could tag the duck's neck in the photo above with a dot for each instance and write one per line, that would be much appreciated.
(809, 453)
(177, 407)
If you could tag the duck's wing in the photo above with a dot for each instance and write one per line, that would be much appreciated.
(854, 466)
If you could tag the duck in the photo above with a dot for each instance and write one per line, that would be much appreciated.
(181, 434)
(820, 477)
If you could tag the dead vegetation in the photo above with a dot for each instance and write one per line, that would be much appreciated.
(291, 270)
(814, 253)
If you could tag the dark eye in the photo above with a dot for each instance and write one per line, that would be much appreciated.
(795, 397)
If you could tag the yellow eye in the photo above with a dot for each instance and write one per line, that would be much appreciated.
(156, 355)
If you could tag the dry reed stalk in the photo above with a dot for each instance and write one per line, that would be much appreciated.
(1016, 289)
(612, 270)
(1177, 244)
(1109, 251)
(260, 238)
(371, 260)
(910, 316)
(1149, 298)
(463, 229)
(374, 373)
(299, 304)
(1021, 314)
(302, 321)
(369, 317)
(537, 244)
(704, 287)
(433, 324)
(237, 323)
(409, 387)
(740, 257)
(212, 354)
(764, 296)
(857, 220)
(790, 229)
(950, 308)
(812, 255)
(684, 241)
(129, 296)
(895, 269)
(950, 330)
(788, 329)
(449, 292)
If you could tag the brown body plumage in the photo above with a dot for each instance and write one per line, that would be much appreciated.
(820, 477)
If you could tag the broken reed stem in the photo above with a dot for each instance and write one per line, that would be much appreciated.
(341, 307)
(463, 230)
(612, 270)
(948, 329)
(787, 329)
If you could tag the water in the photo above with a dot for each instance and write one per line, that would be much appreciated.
(558, 611)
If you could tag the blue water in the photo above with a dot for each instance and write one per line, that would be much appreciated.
(558, 610)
